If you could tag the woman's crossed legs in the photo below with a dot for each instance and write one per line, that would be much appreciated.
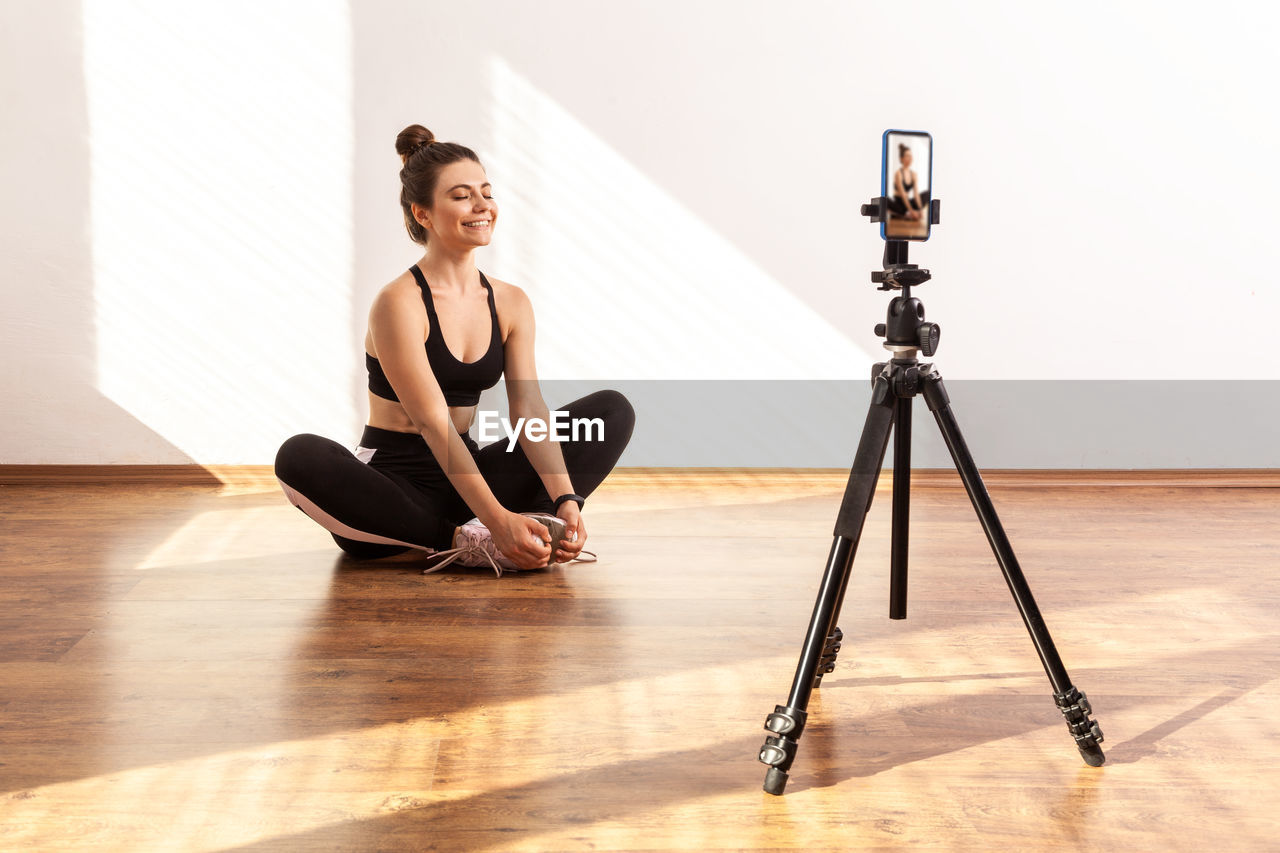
(393, 495)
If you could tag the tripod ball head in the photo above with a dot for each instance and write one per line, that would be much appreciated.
(905, 326)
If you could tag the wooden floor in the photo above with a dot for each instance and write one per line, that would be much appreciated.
(188, 668)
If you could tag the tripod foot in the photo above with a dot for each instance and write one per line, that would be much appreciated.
(1075, 707)
(775, 781)
(784, 726)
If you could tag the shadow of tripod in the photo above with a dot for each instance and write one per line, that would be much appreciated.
(895, 385)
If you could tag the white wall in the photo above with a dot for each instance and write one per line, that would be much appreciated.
(189, 253)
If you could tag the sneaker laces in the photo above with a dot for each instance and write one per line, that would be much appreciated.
(471, 549)
(477, 549)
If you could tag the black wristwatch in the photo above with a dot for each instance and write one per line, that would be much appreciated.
(579, 499)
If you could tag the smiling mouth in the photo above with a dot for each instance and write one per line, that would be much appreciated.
(478, 225)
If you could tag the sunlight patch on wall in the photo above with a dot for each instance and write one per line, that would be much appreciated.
(626, 282)
(221, 147)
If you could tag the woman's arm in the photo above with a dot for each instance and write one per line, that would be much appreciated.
(398, 325)
(524, 398)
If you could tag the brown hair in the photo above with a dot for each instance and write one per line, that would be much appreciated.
(423, 158)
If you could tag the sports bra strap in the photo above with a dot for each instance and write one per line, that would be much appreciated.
(489, 287)
(430, 303)
(426, 293)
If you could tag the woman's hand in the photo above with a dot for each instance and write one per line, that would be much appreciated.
(522, 540)
(575, 533)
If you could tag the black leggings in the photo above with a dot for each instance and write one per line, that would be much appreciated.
(392, 494)
(899, 206)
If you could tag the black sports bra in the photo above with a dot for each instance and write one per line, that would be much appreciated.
(461, 381)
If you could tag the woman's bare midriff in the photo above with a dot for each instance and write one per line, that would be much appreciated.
(390, 415)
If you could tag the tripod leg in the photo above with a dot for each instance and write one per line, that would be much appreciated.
(1073, 704)
(786, 722)
(901, 532)
(901, 513)
(901, 509)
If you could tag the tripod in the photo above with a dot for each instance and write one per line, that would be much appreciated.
(894, 385)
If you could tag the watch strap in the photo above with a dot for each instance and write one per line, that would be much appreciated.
(578, 499)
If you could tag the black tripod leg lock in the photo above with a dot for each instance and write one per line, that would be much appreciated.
(827, 663)
(785, 725)
(779, 748)
(1075, 707)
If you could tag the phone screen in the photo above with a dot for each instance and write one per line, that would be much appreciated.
(906, 179)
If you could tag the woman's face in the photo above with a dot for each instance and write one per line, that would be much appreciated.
(906, 159)
(464, 211)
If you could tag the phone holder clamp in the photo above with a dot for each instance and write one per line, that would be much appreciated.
(876, 211)
(897, 273)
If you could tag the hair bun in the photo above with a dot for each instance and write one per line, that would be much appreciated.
(411, 139)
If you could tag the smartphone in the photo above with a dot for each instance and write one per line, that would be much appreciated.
(906, 183)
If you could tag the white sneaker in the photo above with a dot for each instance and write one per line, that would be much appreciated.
(556, 527)
(473, 546)
(554, 524)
